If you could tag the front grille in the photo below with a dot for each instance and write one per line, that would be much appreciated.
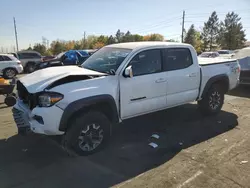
(27, 98)
(19, 118)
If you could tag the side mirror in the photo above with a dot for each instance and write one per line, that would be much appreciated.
(128, 72)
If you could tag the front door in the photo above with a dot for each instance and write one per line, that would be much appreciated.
(183, 76)
(146, 90)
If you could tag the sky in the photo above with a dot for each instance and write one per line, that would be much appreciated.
(68, 20)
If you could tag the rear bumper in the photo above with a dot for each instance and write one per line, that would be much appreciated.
(19, 69)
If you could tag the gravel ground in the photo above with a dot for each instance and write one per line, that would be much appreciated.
(193, 151)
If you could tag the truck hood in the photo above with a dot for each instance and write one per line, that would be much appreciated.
(41, 79)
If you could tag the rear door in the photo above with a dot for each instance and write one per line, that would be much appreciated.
(183, 76)
(146, 90)
(5, 62)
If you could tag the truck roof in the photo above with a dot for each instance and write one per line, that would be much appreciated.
(133, 45)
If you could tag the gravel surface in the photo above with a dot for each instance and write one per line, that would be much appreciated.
(192, 151)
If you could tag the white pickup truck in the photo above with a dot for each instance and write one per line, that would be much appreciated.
(118, 82)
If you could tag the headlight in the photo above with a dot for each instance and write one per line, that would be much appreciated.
(49, 99)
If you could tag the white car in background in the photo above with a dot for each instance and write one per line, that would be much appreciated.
(209, 54)
(226, 53)
(10, 66)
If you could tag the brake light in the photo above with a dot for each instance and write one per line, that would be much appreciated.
(238, 69)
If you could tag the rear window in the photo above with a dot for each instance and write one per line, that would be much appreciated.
(5, 58)
(28, 55)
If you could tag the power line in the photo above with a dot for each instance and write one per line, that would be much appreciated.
(154, 28)
(169, 20)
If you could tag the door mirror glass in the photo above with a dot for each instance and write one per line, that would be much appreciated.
(128, 72)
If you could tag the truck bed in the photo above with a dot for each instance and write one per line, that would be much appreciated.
(212, 61)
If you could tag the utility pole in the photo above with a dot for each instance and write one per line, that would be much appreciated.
(84, 39)
(183, 22)
(15, 33)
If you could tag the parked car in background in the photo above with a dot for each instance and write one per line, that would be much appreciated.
(226, 53)
(46, 58)
(71, 57)
(119, 82)
(29, 59)
(209, 54)
(243, 56)
(10, 66)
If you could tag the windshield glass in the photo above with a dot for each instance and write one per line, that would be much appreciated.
(224, 52)
(106, 60)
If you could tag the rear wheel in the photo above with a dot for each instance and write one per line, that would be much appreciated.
(9, 73)
(213, 100)
(88, 133)
(31, 67)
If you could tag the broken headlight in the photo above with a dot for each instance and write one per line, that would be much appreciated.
(49, 99)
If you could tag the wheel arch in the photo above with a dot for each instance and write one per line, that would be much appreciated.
(221, 79)
(102, 103)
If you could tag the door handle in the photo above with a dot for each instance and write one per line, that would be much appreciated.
(160, 80)
(192, 75)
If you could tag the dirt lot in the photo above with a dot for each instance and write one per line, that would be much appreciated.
(194, 151)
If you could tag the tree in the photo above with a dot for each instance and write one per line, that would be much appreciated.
(232, 36)
(190, 37)
(211, 31)
(153, 37)
(137, 38)
(57, 47)
(119, 35)
(198, 43)
(91, 40)
(78, 45)
(40, 48)
(102, 39)
(111, 40)
(98, 45)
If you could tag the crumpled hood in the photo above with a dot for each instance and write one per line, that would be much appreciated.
(39, 80)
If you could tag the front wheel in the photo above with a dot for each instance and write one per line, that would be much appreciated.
(213, 101)
(88, 133)
(9, 73)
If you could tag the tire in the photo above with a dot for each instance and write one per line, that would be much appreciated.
(79, 136)
(9, 73)
(30, 67)
(213, 101)
(10, 100)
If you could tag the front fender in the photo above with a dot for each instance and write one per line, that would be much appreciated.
(82, 104)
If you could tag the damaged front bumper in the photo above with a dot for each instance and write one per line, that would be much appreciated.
(38, 120)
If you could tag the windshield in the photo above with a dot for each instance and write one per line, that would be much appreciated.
(106, 60)
(224, 52)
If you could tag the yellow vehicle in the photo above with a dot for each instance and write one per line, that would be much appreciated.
(6, 89)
